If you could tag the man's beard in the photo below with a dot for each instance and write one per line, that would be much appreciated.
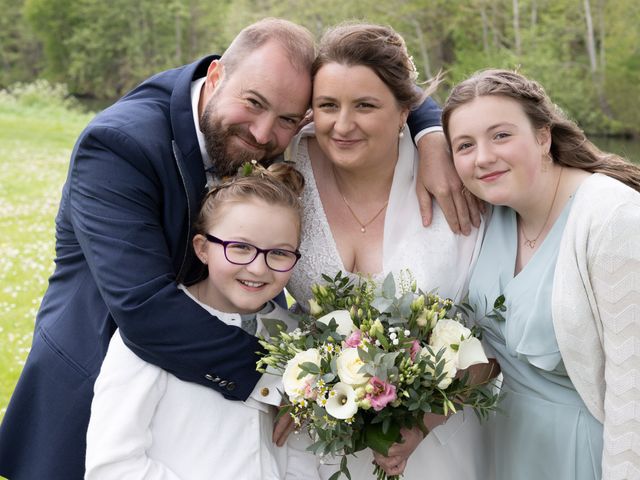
(228, 157)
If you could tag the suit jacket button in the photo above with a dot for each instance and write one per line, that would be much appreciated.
(223, 383)
(264, 392)
(209, 377)
(231, 386)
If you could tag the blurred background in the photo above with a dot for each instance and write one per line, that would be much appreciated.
(62, 60)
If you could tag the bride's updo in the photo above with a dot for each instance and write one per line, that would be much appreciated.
(378, 47)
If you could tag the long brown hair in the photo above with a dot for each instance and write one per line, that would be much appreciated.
(569, 145)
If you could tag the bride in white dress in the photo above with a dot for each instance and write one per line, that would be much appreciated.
(362, 216)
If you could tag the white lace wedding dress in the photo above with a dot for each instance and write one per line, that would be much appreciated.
(438, 259)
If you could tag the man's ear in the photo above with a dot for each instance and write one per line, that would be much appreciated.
(199, 246)
(215, 74)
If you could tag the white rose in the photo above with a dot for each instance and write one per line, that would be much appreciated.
(349, 364)
(342, 401)
(470, 353)
(294, 386)
(343, 320)
(446, 333)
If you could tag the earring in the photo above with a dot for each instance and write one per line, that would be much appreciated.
(547, 160)
(401, 131)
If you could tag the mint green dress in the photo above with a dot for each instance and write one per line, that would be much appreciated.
(543, 429)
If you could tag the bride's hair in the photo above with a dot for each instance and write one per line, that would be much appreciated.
(378, 47)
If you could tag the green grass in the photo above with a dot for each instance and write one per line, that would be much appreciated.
(34, 153)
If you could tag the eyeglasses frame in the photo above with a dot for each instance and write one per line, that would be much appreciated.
(224, 243)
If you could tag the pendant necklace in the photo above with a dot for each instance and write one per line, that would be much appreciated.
(363, 226)
(532, 243)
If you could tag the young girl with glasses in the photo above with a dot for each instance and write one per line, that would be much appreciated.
(147, 423)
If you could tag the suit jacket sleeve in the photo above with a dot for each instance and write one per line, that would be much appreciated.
(427, 115)
(115, 199)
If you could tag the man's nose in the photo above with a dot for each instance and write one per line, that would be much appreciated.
(262, 129)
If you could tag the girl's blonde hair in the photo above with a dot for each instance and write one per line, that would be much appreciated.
(280, 184)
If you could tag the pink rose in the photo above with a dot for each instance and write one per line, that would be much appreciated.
(415, 349)
(354, 340)
(383, 393)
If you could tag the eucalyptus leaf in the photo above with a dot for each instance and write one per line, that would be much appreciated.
(389, 287)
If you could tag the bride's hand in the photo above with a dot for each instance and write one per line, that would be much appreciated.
(281, 430)
(396, 460)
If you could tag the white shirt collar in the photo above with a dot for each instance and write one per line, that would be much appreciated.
(196, 88)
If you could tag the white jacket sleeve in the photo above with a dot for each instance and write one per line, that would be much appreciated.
(126, 394)
(615, 276)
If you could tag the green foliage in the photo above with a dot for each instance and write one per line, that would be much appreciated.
(37, 96)
(102, 49)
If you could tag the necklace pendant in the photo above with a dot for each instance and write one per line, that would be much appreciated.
(363, 230)
(530, 243)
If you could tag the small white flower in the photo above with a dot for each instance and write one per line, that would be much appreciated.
(395, 341)
(343, 320)
(407, 333)
(393, 336)
(342, 403)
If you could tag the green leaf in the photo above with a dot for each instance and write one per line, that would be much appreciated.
(274, 326)
(310, 367)
(379, 441)
(389, 287)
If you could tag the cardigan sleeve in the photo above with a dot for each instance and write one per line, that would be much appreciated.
(615, 279)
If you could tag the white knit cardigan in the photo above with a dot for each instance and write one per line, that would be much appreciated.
(596, 314)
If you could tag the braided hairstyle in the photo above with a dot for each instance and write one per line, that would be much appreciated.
(569, 145)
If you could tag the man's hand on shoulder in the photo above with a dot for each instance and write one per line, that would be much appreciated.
(438, 177)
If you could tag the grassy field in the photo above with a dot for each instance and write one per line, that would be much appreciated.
(35, 144)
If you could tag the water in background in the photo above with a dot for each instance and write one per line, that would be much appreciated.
(630, 149)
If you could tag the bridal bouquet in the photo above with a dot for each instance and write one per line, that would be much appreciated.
(367, 362)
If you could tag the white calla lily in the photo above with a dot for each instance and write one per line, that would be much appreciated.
(471, 352)
(341, 403)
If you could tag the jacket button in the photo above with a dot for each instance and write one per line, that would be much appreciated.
(264, 392)
(223, 383)
(231, 386)
(211, 378)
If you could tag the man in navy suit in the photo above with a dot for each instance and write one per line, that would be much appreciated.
(136, 178)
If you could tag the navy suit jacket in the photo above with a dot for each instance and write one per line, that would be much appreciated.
(123, 233)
